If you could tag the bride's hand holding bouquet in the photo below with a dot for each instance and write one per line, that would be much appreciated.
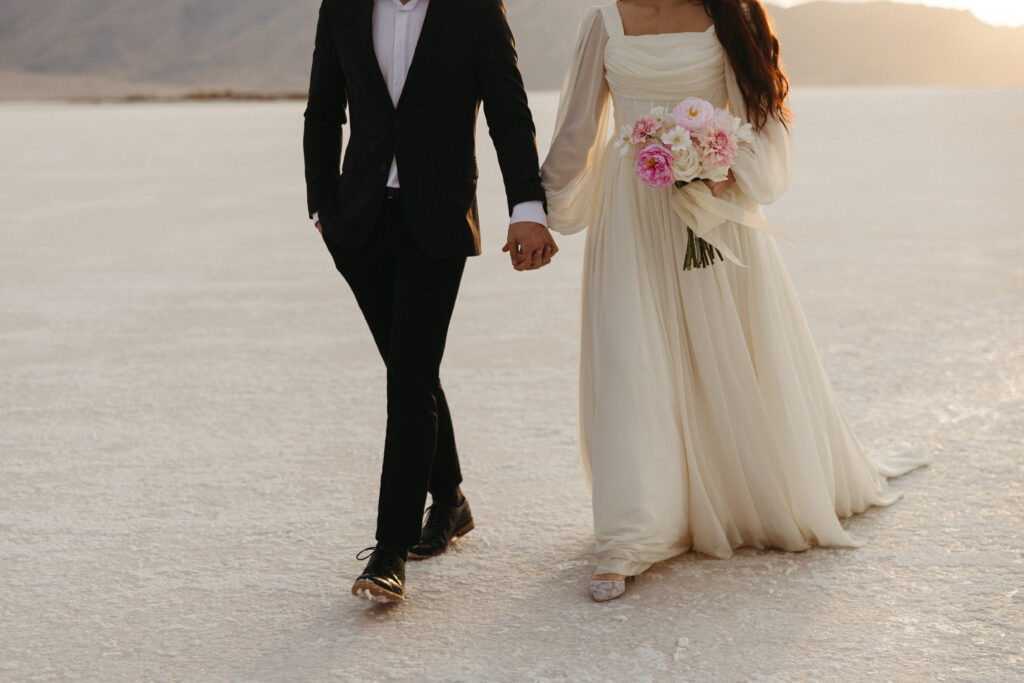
(695, 141)
(720, 187)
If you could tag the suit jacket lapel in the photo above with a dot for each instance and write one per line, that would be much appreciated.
(364, 24)
(437, 11)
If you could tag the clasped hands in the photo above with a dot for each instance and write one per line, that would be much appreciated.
(529, 245)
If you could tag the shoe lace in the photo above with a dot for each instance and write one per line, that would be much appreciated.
(360, 556)
(433, 521)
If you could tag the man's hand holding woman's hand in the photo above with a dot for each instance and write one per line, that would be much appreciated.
(530, 245)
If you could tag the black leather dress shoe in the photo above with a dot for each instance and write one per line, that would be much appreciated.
(444, 522)
(383, 580)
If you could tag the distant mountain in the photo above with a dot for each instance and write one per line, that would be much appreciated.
(883, 43)
(130, 45)
(54, 48)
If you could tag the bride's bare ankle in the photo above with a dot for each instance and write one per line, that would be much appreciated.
(609, 577)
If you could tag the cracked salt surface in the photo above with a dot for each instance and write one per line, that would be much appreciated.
(191, 417)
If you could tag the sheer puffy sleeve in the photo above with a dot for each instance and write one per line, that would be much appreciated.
(572, 170)
(762, 171)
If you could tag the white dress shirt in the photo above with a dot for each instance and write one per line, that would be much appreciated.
(396, 31)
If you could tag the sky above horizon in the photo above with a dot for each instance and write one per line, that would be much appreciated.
(998, 12)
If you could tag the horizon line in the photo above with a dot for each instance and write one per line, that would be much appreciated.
(790, 4)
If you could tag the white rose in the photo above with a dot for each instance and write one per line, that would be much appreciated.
(713, 173)
(687, 164)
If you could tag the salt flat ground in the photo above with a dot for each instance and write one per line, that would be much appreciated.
(191, 417)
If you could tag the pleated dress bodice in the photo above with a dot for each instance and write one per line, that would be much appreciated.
(662, 69)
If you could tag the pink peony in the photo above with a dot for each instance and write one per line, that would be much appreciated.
(654, 166)
(645, 127)
(719, 143)
(694, 114)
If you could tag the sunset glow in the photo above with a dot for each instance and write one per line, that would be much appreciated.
(997, 12)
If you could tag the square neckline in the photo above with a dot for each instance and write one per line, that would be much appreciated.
(621, 29)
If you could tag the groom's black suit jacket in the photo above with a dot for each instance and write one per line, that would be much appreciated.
(465, 56)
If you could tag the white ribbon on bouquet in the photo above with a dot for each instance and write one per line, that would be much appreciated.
(703, 212)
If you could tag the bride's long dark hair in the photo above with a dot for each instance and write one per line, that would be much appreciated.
(746, 33)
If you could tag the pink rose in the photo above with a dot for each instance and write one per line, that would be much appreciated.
(719, 143)
(694, 114)
(654, 166)
(644, 128)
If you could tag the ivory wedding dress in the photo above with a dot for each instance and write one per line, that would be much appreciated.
(706, 419)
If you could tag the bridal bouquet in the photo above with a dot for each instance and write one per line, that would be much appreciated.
(695, 141)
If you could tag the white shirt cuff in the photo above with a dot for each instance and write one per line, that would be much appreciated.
(523, 212)
(529, 212)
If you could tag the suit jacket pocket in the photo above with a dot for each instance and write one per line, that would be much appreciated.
(455, 191)
(332, 205)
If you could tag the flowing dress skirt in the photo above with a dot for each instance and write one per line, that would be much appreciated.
(707, 419)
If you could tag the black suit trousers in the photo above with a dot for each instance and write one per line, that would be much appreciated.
(407, 299)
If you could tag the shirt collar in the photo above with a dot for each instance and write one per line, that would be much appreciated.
(408, 7)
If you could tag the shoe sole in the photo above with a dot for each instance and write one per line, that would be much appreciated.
(368, 590)
(460, 532)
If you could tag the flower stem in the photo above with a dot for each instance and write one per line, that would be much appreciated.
(699, 252)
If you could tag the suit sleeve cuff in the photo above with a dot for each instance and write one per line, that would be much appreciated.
(529, 212)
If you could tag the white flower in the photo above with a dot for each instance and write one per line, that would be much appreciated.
(745, 133)
(623, 143)
(687, 164)
(714, 173)
(677, 138)
(660, 115)
(725, 119)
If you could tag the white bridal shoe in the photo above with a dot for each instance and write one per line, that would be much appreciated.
(603, 591)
